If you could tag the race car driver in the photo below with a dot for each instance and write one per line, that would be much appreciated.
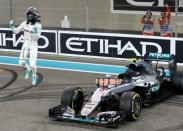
(148, 22)
(32, 31)
(164, 23)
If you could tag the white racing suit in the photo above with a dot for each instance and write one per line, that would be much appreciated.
(30, 46)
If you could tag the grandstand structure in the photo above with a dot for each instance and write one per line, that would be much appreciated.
(121, 16)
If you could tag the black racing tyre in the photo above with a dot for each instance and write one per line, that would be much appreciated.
(73, 97)
(177, 81)
(130, 103)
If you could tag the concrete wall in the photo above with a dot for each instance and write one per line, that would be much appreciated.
(53, 11)
(4, 11)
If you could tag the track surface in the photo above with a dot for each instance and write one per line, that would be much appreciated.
(25, 108)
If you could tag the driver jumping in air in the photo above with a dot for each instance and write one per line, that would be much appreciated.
(32, 31)
(164, 22)
(148, 22)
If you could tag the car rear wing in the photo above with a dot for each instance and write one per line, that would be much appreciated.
(170, 58)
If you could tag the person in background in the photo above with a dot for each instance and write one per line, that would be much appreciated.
(164, 23)
(32, 30)
(148, 21)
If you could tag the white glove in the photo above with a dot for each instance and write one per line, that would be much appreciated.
(12, 24)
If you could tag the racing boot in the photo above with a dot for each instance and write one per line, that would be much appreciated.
(27, 73)
(34, 81)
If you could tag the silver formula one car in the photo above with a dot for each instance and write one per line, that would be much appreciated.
(120, 98)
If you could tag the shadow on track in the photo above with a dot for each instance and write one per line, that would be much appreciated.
(176, 100)
(77, 125)
(9, 96)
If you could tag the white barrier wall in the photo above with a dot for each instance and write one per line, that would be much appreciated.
(95, 44)
(112, 45)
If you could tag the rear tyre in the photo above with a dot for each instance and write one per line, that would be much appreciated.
(178, 82)
(130, 103)
(73, 97)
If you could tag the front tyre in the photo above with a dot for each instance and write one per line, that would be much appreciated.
(73, 97)
(130, 103)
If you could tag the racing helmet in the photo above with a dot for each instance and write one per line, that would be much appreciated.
(32, 15)
(32, 10)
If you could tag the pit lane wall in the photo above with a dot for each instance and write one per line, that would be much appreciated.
(95, 44)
